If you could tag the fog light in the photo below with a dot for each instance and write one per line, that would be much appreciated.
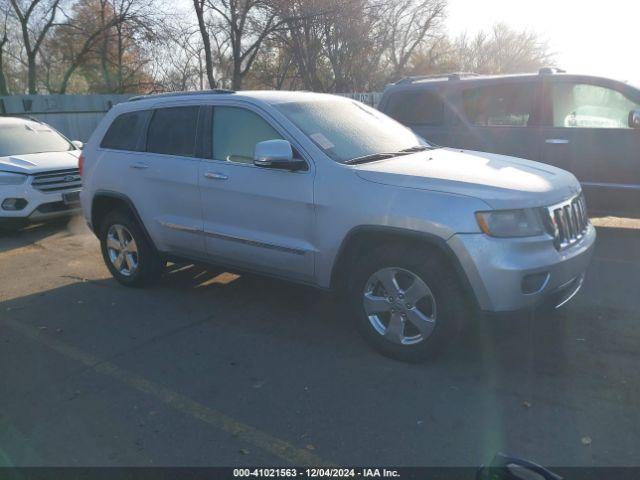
(14, 204)
(534, 283)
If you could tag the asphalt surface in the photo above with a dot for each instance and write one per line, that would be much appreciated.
(211, 368)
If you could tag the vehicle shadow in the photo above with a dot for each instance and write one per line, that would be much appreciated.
(30, 234)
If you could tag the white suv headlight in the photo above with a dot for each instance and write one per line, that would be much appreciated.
(524, 222)
(7, 178)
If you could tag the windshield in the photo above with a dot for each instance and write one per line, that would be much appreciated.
(31, 137)
(346, 129)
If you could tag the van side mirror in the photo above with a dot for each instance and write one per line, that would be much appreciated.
(634, 119)
(277, 154)
(78, 144)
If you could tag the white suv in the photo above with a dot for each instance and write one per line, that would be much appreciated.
(326, 191)
(39, 176)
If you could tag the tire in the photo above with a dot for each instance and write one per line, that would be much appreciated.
(139, 265)
(419, 331)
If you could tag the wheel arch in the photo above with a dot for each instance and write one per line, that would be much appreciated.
(106, 201)
(372, 235)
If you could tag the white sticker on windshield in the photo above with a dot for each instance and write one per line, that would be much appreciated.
(321, 140)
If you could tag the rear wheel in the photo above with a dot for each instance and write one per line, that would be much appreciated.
(407, 302)
(126, 251)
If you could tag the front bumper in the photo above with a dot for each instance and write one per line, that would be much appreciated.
(498, 269)
(40, 205)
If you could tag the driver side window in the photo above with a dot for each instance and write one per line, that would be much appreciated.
(236, 132)
(578, 105)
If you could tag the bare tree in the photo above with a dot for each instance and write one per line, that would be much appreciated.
(4, 90)
(200, 9)
(240, 25)
(36, 17)
(410, 25)
(81, 37)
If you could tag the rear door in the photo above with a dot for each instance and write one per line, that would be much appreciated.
(499, 117)
(422, 110)
(164, 180)
(587, 132)
(255, 217)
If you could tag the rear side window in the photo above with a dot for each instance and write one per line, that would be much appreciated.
(416, 108)
(172, 131)
(500, 105)
(125, 131)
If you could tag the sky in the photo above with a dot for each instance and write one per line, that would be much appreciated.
(595, 38)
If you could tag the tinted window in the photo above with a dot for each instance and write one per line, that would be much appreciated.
(236, 132)
(125, 131)
(499, 105)
(417, 108)
(172, 131)
(21, 138)
(590, 106)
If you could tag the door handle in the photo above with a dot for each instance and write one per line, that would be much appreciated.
(557, 141)
(216, 176)
(139, 165)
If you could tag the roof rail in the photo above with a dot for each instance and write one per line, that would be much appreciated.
(217, 91)
(550, 70)
(448, 76)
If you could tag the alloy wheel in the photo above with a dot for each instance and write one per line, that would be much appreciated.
(400, 306)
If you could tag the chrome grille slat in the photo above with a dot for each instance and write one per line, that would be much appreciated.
(569, 220)
(49, 182)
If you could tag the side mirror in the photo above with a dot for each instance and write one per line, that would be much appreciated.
(505, 467)
(634, 119)
(78, 144)
(277, 154)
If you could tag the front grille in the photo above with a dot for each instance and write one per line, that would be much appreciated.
(568, 221)
(58, 180)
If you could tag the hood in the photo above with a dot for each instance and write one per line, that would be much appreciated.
(39, 162)
(500, 181)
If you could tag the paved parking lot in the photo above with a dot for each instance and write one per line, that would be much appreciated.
(212, 368)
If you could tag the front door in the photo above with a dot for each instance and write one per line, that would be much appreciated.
(255, 217)
(587, 132)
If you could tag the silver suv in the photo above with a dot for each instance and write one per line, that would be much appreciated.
(326, 191)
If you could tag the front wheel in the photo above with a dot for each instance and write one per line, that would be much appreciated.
(126, 251)
(407, 302)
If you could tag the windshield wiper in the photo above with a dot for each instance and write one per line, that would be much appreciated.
(371, 158)
(381, 156)
(417, 148)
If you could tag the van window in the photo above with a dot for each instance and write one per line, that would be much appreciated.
(172, 131)
(236, 132)
(416, 108)
(508, 105)
(125, 131)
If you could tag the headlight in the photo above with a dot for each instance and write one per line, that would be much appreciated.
(511, 223)
(7, 178)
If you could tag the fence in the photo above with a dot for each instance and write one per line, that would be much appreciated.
(76, 116)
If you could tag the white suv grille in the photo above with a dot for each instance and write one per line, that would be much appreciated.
(568, 221)
(58, 180)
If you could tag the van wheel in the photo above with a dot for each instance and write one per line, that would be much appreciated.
(407, 302)
(126, 251)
